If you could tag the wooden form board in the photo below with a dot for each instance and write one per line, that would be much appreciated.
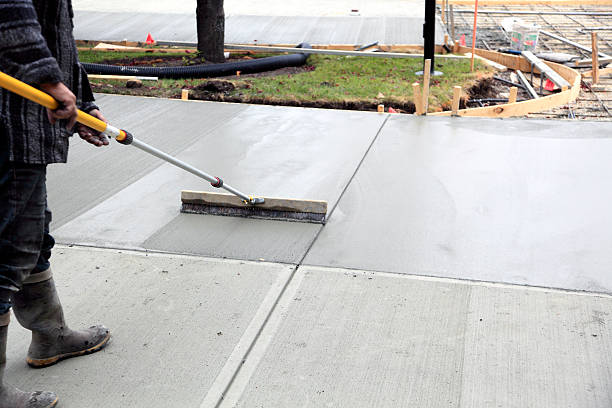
(525, 107)
(132, 46)
(602, 71)
(122, 77)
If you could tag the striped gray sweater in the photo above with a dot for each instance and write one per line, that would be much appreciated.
(37, 46)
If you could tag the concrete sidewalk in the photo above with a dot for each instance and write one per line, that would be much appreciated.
(259, 22)
(247, 29)
(311, 8)
(184, 325)
(407, 297)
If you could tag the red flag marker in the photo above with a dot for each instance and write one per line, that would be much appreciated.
(462, 40)
(549, 85)
(150, 39)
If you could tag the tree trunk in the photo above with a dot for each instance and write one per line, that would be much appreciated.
(210, 19)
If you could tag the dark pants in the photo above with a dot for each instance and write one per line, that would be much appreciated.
(25, 243)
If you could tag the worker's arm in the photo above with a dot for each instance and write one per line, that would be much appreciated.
(24, 55)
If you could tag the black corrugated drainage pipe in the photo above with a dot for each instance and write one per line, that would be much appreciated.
(205, 71)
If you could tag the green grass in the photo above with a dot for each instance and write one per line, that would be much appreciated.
(361, 79)
(328, 79)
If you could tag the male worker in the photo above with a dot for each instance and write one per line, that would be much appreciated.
(37, 47)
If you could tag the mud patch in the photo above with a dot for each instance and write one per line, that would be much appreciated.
(215, 87)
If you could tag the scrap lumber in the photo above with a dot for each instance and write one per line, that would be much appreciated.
(527, 106)
(527, 85)
(513, 93)
(602, 72)
(572, 43)
(122, 77)
(589, 62)
(334, 52)
(545, 69)
(595, 56)
(106, 46)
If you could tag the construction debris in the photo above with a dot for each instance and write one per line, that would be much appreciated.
(565, 38)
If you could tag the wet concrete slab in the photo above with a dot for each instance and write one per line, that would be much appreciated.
(515, 201)
(176, 321)
(95, 174)
(263, 150)
(254, 29)
(362, 339)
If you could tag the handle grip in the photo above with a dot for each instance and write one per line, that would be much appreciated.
(35, 95)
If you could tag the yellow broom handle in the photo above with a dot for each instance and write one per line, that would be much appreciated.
(22, 89)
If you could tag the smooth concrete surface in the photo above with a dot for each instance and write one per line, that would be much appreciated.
(253, 29)
(262, 150)
(95, 174)
(516, 201)
(350, 338)
(175, 320)
(320, 8)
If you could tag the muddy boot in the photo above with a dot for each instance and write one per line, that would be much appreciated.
(37, 307)
(11, 397)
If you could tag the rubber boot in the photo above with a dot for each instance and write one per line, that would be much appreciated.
(37, 307)
(11, 397)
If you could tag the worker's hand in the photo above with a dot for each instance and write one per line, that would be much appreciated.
(91, 135)
(64, 96)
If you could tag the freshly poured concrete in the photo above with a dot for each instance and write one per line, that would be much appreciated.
(253, 29)
(94, 175)
(175, 323)
(515, 201)
(497, 200)
(267, 151)
(349, 338)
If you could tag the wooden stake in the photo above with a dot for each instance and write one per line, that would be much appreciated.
(418, 99)
(426, 75)
(446, 39)
(456, 99)
(381, 108)
(513, 93)
(595, 57)
(474, 34)
(444, 11)
(185, 94)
